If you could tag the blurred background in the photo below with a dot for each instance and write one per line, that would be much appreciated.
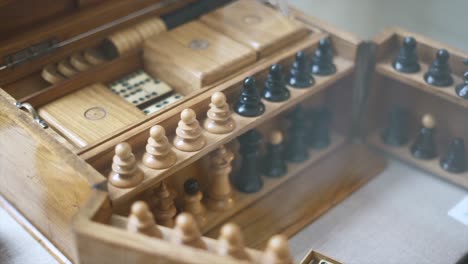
(444, 21)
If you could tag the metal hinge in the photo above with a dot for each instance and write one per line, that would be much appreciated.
(33, 112)
(27, 54)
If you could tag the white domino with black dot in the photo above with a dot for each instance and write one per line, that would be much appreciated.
(138, 88)
(162, 104)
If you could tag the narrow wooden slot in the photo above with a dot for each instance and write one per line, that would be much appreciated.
(416, 81)
(243, 200)
(432, 166)
(243, 124)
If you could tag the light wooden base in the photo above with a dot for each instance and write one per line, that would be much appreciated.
(432, 166)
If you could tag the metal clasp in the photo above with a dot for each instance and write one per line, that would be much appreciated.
(28, 107)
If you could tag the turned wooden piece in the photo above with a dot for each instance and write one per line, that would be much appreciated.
(165, 210)
(186, 232)
(219, 120)
(189, 135)
(51, 75)
(93, 57)
(159, 154)
(219, 195)
(141, 220)
(231, 242)
(192, 201)
(277, 251)
(125, 172)
(78, 62)
(65, 68)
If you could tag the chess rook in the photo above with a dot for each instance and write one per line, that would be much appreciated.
(439, 73)
(300, 76)
(396, 132)
(274, 162)
(407, 59)
(275, 86)
(159, 154)
(247, 179)
(189, 135)
(231, 242)
(193, 201)
(277, 251)
(296, 143)
(186, 232)
(462, 89)
(141, 220)
(164, 210)
(455, 158)
(322, 60)
(249, 103)
(125, 172)
(219, 195)
(424, 146)
(219, 120)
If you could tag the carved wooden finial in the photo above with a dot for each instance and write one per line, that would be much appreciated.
(231, 242)
(189, 135)
(186, 232)
(125, 172)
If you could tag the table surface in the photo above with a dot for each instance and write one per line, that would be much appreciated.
(398, 217)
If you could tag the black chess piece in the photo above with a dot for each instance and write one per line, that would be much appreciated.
(191, 186)
(275, 87)
(320, 128)
(274, 162)
(462, 89)
(396, 132)
(248, 178)
(455, 158)
(249, 104)
(300, 76)
(439, 73)
(424, 146)
(322, 60)
(297, 146)
(407, 59)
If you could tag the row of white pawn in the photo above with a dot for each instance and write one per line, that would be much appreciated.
(186, 232)
(159, 154)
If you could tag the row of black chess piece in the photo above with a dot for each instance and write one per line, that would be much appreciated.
(307, 129)
(300, 76)
(439, 73)
(424, 146)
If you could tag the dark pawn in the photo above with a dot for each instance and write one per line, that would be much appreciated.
(320, 128)
(439, 72)
(424, 146)
(455, 158)
(275, 87)
(407, 60)
(297, 146)
(462, 89)
(248, 179)
(299, 76)
(249, 103)
(191, 186)
(275, 165)
(322, 60)
(396, 133)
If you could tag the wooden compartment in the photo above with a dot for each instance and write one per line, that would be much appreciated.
(391, 89)
(60, 176)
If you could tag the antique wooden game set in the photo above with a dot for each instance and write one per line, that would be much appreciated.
(209, 131)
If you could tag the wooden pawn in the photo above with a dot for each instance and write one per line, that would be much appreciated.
(141, 220)
(189, 135)
(125, 172)
(219, 195)
(165, 209)
(186, 232)
(159, 154)
(219, 120)
(277, 251)
(192, 201)
(231, 242)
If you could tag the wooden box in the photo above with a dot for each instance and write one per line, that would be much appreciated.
(51, 176)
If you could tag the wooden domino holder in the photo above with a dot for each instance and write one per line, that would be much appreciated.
(391, 88)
